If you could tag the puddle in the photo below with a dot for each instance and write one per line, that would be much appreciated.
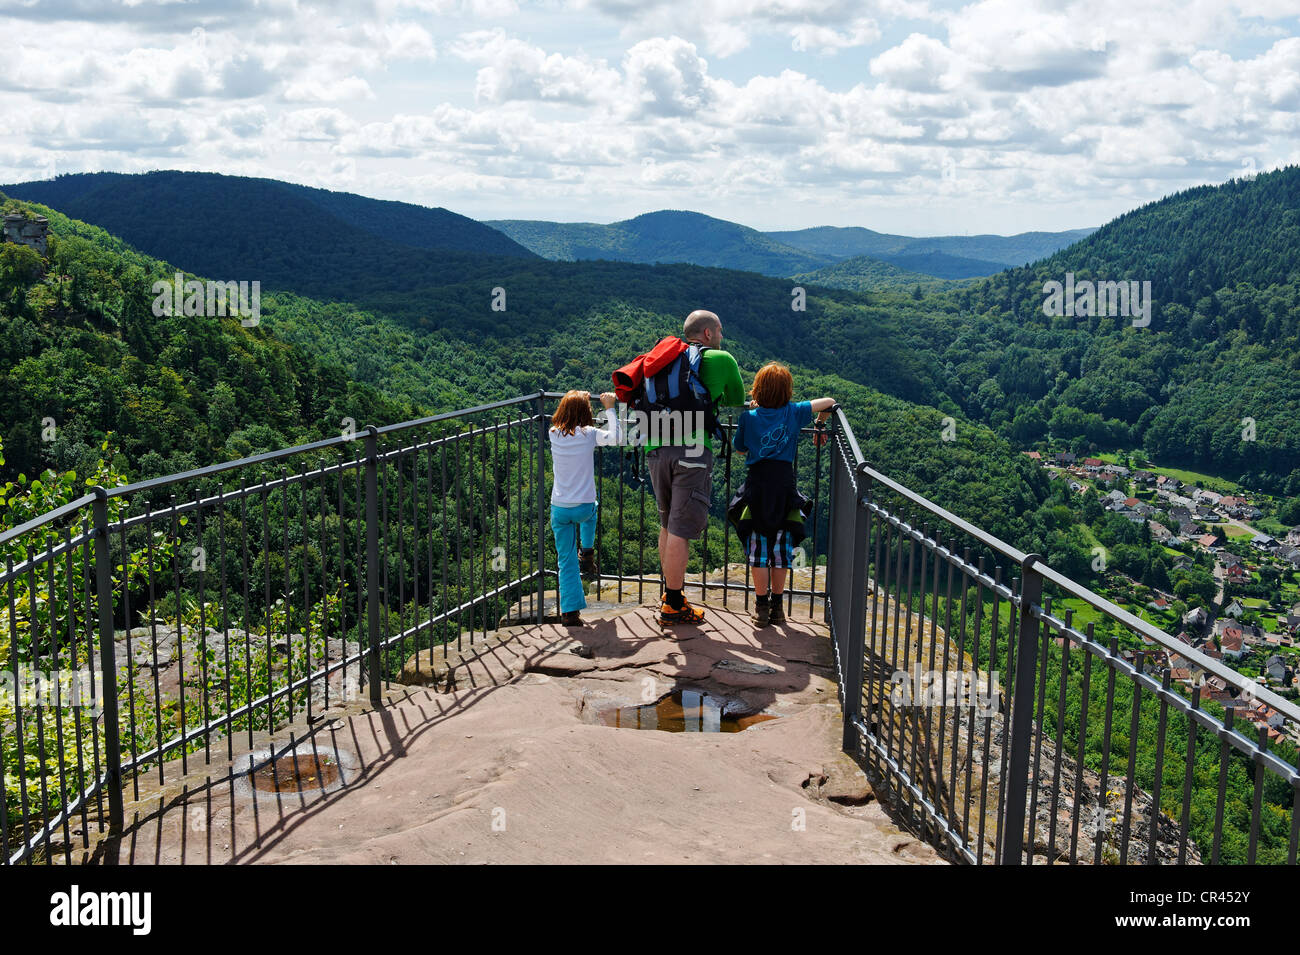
(305, 770)
(297, 772)
(684, 711)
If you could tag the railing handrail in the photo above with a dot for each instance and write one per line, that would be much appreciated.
(1260, 692)
(262, 458)
(48, 517)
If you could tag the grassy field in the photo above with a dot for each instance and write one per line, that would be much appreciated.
(1232, 530)
(1271, 526)
(1209, 481)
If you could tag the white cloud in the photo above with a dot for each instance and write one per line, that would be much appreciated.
(920, 64)
(825, 39)
(323, 124)
(515, 70)
(666, 77)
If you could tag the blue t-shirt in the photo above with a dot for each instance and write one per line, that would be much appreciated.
(770, 434)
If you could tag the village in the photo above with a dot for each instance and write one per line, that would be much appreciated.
(1252, 623)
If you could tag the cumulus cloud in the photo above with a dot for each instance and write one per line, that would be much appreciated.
(666, 77)
(920, 64)
(515, 70)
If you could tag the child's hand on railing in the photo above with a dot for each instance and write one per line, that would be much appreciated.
(608, 399)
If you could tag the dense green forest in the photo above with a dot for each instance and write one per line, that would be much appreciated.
(1223, 344)
(82, 351)
(862, 273)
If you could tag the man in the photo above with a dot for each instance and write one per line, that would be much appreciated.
(681, 469)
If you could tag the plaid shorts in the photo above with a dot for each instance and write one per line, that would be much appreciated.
(762, 551)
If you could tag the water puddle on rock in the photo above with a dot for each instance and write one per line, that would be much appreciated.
(684, 711)
(301, 772)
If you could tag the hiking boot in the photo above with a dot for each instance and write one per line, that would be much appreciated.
(777, 615)
(587, 561)
(570, 618)
(762, 614)
(688, 614)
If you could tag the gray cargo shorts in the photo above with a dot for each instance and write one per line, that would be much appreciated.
(683, 486)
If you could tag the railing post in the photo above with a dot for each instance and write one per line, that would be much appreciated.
(833, 495)
(856, 643)
(542, 438)
(1016, 785)
(372, 558)
(108, 660)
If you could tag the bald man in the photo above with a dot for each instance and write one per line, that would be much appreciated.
(681, 471)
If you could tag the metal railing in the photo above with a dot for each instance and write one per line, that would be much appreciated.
(1083, 756)
(203, 608)
(169, 618)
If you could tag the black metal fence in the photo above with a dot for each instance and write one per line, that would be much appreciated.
(146, 626)
(1082, 756)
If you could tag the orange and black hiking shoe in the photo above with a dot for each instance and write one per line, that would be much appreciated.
(687, 614)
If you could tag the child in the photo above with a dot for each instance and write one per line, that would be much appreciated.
(768, 510)
(573, 494)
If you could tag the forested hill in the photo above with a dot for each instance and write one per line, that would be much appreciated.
(689, 237)
(849, 242)
(864, 274)
(221, 226)
(1218, 363)
(80, 347)
(668, 236)
(1193, 244)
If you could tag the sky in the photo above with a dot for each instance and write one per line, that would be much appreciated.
(905, 116)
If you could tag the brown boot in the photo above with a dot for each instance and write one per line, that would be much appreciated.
(777, 615)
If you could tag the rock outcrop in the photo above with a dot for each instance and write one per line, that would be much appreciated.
(24, 231)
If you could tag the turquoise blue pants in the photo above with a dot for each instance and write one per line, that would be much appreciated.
(571, 525)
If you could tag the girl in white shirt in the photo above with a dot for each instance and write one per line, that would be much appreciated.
(573, 494)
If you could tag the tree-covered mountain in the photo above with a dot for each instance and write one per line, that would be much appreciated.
(669, 236)
(850, 242)
(82, 354)
(1211, 382)
(235, 227)
(944, 266)
(689, 237)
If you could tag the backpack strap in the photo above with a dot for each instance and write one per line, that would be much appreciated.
(712, 424)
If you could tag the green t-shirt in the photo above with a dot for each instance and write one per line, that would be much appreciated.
(721, 375)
